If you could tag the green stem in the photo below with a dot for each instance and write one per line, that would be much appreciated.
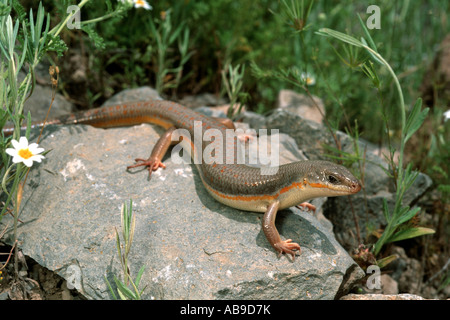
(402, 105)
(399, 191)
(390, 229)
(107, 16)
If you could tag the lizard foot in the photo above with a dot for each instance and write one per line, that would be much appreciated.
(151, 163)
(287, 246)
(306, 205)
(245, 137)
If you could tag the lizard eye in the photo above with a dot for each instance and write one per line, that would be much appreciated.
(332, 179)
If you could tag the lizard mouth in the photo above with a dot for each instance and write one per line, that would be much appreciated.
(355, 187)
(346, 189)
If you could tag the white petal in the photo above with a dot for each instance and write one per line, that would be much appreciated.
(142, 4)
(28, 162)
(17, 159)
(34, 148)
(37, 158)
(12, 152)
(446, 115)
(15, 144)
(23, 142)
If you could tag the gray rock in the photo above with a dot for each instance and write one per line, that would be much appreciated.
(406, 271)
(135, 94)
(302, 105)
(211, 112)
(204, 99)
(255, 120)
(388, 285)
(42, 99)
(4, 296)
(192, 247)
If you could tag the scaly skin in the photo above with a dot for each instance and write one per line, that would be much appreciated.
(236, 185)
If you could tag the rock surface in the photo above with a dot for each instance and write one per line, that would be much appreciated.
(192, 247)
(302, 105)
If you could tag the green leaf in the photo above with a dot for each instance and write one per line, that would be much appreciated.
(138, 278)
(10, 41)
(409, 177)
(374, 57)
(99, 42)
(386, 210)
(4, 51)
(371, 43)
(415, 119)
(123, 290)
(340, 36)
(371, 73)
(368, 36)
(119, 251)
(385, 261)
(110, 289)
(176, 33)
(124, 221)
(24, 49)
(407, 216)
(27, 132)
(109, 7)
(5, 9)
(410, 233)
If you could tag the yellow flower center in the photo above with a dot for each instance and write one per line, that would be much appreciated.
(25, 153)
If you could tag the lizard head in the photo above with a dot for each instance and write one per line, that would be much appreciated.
(335, 179)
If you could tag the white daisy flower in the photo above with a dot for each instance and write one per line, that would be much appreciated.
(446, 115)
(138, 4)
(142, 4)
(308, 79)
(23, 152)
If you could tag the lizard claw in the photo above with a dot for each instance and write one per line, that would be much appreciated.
(245, 137)
(287, 246)
(152, 164)
(307, 206)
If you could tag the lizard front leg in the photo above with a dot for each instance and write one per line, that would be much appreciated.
(272, 235)
(159, 150)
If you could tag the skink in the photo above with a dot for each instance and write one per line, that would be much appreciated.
(233, 184)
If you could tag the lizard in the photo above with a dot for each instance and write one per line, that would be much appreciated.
(233, 184)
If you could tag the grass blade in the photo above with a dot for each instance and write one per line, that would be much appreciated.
(407, 216)
(368, 36)
(415, 119)
(340, 36)
(410, 233)
(123, 291)
(139, 276)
